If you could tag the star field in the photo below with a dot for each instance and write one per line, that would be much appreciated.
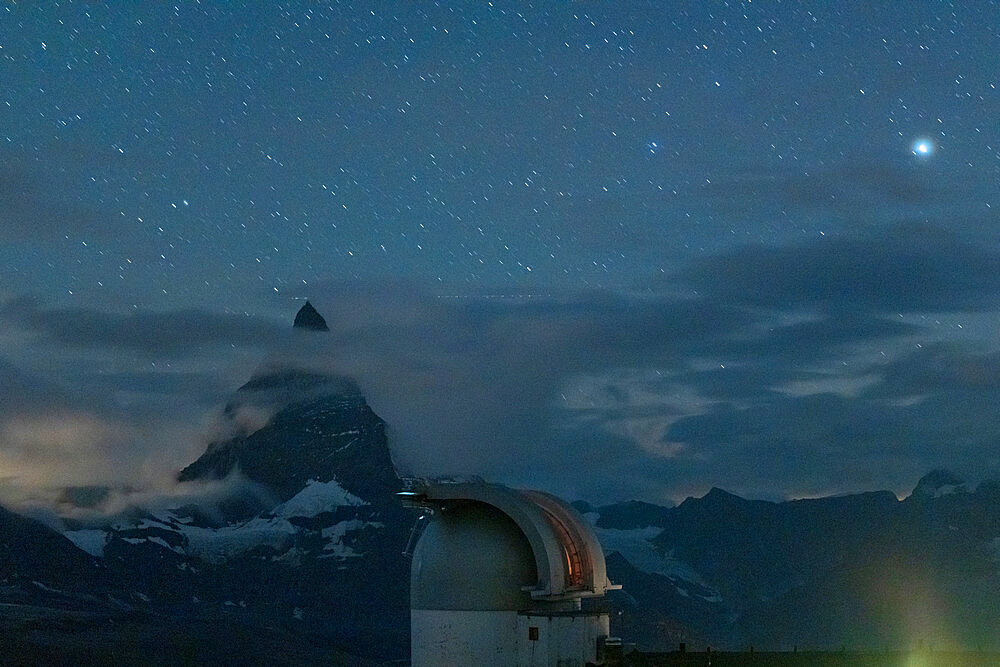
(234, 157)
(201, 150)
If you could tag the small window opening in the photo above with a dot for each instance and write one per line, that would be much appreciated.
(533, 633)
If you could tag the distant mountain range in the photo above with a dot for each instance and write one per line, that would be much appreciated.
(305, 551)
(862, 571)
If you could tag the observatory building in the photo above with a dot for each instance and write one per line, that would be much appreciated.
(498, 576)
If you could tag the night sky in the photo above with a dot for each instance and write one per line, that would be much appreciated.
(612, 250)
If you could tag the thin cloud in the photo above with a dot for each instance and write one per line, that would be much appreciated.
(176, 333)
(911, 268)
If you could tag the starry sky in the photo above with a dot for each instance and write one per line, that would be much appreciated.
(613, 250)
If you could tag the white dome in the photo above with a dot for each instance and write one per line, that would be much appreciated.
(472, 556)
(490, 537)
(497, 579)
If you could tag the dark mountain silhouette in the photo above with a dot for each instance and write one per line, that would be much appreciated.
(323, 429)
(861, 570)
(309, 318)
(35, 557)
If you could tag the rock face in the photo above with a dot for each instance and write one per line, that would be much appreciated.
(309, 318)
(35, 559)
(319, 544)
(328, 555)
(322, 429)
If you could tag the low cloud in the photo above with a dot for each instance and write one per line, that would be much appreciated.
(73, 446)
(96, 431)
(176, 333)
(784, 370)
(474, 386)
(939, 368)
(101, 506)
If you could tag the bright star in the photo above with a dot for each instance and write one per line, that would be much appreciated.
(923, 147)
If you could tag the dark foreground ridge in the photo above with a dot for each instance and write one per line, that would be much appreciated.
(923, 658)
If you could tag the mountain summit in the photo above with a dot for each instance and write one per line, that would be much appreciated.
(320, 429)
(309, 318)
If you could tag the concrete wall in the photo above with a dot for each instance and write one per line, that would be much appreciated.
(563, 641)
(442, 638)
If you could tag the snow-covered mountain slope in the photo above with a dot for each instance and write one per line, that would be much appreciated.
(321, 428)
(312, 535)
(663, 599)
(323, 507)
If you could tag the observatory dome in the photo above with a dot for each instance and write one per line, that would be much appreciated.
(472, 557)
(498, 577)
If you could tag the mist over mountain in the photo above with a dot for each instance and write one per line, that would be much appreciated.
(286, 529)
(322, 428)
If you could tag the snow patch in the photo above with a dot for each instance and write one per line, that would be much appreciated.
(316, 498)
(163, 543)
(91, 540)
(217, 545)
(635, 546)
(335, 534)
(273, 530)
(46, 588)
(947, 490)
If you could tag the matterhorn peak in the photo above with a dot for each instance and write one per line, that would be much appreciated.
(309, 318)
